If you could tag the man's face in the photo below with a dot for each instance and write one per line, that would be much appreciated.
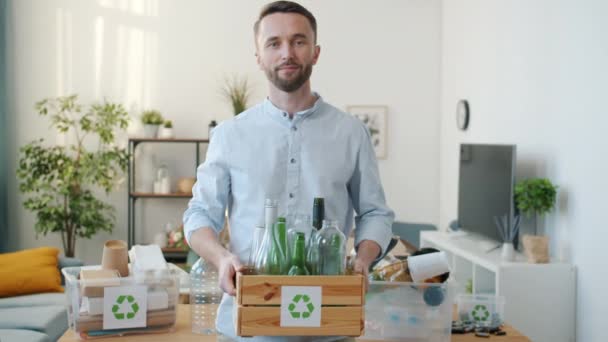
(286, 50)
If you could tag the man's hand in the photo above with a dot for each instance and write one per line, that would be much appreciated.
(204, 242)
(228, 266)
(367, 252)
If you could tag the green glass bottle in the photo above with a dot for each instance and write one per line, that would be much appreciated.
(281, 244)
(298, 261)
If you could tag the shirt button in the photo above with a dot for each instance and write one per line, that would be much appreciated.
(293, 160)
(294, 129)
(284, 114)
(290, 195)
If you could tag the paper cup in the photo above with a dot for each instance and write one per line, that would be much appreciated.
(115, 257)
(427, 266)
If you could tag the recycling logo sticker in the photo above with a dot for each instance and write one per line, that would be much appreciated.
(301, 306)
(124, 307)
(480, 313)
(131, 313)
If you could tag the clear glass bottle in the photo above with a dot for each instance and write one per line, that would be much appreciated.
(271, 258)
(270, 216)
(204, 290)
(298, 261)
(312, 254)
(332, 249)
(300, 224)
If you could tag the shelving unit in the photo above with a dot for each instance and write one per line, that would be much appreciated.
(134, 195)
(540, 298)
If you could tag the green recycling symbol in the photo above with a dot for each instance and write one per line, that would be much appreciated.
(304, 314)
(130, 314)
(480, 313)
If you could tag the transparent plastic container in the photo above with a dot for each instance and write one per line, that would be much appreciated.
(399, 311)
(85, 301)
(204, 289)
(481, 309)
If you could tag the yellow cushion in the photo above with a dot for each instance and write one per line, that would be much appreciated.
(29, 271)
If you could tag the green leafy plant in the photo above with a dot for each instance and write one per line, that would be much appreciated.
(535, 196)
(237, 91)
(152, 117)
(60, 179)
(168, 124)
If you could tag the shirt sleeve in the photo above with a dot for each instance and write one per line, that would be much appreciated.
(210, 192)
(374, 219)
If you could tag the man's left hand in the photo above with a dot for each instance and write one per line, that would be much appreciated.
(367, 252)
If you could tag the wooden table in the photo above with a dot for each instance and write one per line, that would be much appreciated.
(183, 333)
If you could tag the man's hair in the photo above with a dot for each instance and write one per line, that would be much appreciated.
(285, 7)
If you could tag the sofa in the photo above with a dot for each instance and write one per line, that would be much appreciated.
(40, 317)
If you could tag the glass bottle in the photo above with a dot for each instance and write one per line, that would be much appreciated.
(204, 290)
(318, 215)
(271, 255)
(300, 224)
(298, 261)
(332, 249)
(270, 215)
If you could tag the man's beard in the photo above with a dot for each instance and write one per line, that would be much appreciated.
(292, 85)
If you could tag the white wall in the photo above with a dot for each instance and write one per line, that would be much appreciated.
(535, 75)
(171, 55)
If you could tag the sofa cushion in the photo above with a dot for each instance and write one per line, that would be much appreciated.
(50, 320)
(39, 299)
(16, 335)
(29, 271)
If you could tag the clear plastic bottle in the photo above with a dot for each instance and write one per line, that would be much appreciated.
(204, 289)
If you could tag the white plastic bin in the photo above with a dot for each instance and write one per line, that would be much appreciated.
(148, 300)
(409, 312)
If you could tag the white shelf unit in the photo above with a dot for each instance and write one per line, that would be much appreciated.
(540, 298)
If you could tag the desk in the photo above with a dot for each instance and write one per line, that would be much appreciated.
(183, 333)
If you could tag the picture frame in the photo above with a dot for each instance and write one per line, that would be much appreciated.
(374, 117)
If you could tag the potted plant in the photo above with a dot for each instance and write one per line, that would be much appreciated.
(166, 131)
(237, 91)
(60, 180)
(151, 119)
(535, 197)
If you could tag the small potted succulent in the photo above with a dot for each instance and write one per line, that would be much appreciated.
(152, 119)
(166, 131)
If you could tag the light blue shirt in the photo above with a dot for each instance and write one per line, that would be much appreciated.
(262, 153)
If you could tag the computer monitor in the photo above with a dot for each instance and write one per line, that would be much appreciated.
(485, 187)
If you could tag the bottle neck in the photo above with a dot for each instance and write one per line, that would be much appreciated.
(299, 254)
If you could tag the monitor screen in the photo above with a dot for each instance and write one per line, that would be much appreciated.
(485, 187)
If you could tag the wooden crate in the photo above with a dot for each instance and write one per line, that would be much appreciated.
(258, 305)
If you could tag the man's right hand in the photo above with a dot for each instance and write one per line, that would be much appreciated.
(228, 266)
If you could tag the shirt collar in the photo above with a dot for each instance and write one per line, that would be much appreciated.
(278, 113)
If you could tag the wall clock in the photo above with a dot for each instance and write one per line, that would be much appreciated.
(462, 115)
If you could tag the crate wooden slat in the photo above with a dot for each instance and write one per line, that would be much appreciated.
(258, 301)
(335, 321)
(265, 290)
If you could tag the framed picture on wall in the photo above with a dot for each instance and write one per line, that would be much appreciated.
(374, 118)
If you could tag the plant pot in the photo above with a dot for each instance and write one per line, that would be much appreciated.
(165, 133)
(150, 131)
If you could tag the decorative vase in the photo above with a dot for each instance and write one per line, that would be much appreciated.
(508, 252)
(165, 133)
(150, 131)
